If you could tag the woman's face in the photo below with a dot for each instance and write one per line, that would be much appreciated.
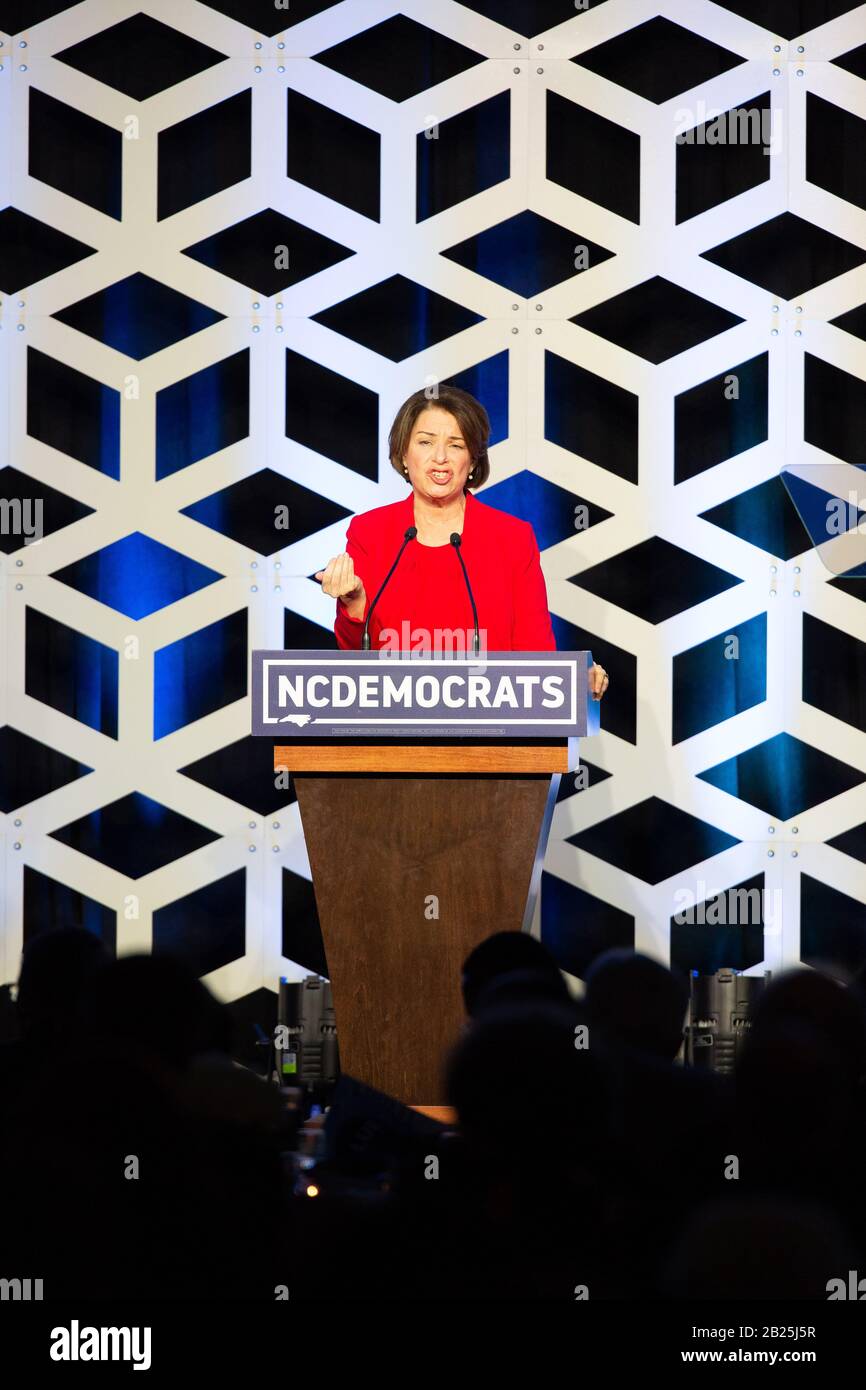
(437, 456)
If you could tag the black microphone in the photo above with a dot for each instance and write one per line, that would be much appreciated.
(455, 541)
(410, 534)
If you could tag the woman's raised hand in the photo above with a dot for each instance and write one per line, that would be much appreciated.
(599, 680)
(340, 581)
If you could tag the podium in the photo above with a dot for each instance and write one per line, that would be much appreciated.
(420, 847)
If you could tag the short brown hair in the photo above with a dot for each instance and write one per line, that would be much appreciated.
(467, 411)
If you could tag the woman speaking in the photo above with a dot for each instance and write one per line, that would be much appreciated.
(453, 549)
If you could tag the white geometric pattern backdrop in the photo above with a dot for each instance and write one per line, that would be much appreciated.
(469, 150)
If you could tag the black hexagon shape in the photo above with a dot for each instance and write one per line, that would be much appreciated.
(656, 319)
(199, 673)
(529, 17)
(266, 511)
(30, 769)
(554, 513)
(828, 648)
(205, 928)
(71, 672)
(658, 59)
(115, 574)
(31, 250)
(204, 154)
(765, 516)
(135, 835)
(788, 18)
(399, 57)
(397, 318)
(854, 61)
(593, 156)
(786, 255)
(37, 506)
(266, 17)
(783, 776)
(140, 56)
(332, 414)
(832, 928)
(448, 169)
(836, 149)
(711, 936)
(332, 154)
(853, 320)
(653, 840)
(576, 926)
(16, 15)
(72, 412)
(268, 251)
(710, 170)
(49, 905)
(852, 842)
(138, 315)
(244, 773)
(527, 253)
(591, 416)
(75, 153)
(720, 418)
(835, 410)
(203, 413)
(716, 680)
(679, 580)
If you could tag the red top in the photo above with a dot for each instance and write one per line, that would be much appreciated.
(427, 591)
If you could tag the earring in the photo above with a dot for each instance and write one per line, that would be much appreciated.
(406, 470)
(472, 474)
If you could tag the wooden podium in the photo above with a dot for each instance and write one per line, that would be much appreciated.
(417, 853)
(420, 846)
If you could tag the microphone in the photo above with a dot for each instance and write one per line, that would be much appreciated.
(456, 541)
(411, 533)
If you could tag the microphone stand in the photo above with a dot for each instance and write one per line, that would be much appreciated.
(411, 533)
(476, 640)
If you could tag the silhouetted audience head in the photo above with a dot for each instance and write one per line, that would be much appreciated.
(55, 968)
(636, 1001)
(517, 1072)
(799, 1082)
(155, 1010)
(796, 1105)
(503, 953)
(522, 986)
(814, 999)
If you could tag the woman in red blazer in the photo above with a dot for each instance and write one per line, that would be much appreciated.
(440, 446)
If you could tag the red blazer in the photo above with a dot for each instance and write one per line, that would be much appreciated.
(427, 590)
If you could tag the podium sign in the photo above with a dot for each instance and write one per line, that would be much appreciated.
(354, 694)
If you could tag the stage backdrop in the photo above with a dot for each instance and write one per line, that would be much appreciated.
(233, 238)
